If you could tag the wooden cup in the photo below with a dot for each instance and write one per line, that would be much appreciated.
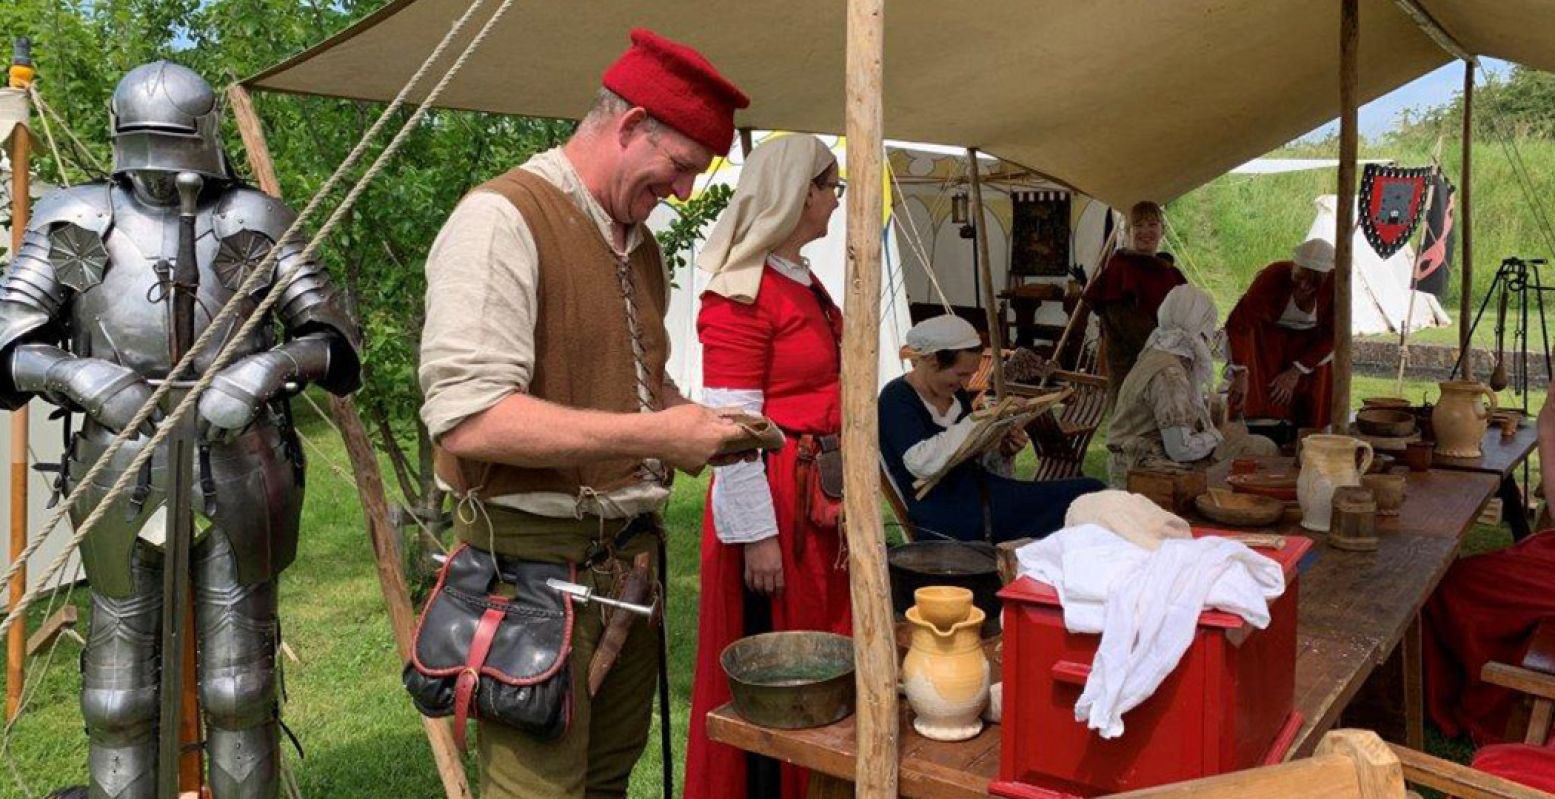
(1388, 489)
(1417, 455)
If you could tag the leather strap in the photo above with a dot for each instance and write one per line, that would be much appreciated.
(470, 677)
(805, 464)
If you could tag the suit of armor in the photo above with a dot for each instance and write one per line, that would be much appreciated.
(86, 322)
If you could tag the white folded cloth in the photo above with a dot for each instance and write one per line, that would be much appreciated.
(1145, 604)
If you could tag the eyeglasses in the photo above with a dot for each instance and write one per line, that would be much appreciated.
(838, 186)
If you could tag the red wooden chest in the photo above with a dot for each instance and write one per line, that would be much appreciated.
(1227, 705)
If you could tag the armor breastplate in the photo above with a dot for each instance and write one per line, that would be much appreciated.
(122, 314)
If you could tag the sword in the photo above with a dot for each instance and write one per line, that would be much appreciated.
(180, 534)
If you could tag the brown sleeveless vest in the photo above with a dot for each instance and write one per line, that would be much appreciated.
(583, 350)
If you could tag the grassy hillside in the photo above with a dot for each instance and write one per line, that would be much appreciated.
(1225, 231)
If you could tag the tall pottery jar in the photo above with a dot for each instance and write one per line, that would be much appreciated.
(1460, 419)
(1327, 462)
(945, 677)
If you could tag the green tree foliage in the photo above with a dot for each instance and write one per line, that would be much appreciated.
(83, 47)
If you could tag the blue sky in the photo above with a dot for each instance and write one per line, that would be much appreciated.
(1378, 116)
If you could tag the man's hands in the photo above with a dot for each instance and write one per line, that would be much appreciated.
(764, 566)
(1014, 441)
(1283, 388)
(692, 435)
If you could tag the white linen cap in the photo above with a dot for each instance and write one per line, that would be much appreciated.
(945, 332)
(1315, 254)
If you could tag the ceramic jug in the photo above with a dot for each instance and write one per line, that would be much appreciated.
(1460, 419)
(1327, 462)
(945, 677)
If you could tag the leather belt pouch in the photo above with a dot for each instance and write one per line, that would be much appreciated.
(504, 659)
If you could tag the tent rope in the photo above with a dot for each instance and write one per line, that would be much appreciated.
(48, 134)
(915, 239)
(258, 316)
(48, 111)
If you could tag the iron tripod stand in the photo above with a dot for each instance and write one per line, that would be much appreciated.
(1516, 279)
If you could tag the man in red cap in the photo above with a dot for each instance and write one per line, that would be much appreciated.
(543, 366)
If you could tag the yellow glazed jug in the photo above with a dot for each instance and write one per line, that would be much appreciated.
(945, 677)
(1327, 462)
(1460, 419)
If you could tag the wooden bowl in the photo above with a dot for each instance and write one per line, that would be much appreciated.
(1385, 422)
(1239, 510)
(1275, 486)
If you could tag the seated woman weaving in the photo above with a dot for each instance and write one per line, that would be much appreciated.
(1162, 419)
(924, 420)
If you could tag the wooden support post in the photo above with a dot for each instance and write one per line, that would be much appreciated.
(874, 641)
(16, 643)
(985, 275)
(745, 143)
(1344, 232)
(369, 482)
(1465, 228)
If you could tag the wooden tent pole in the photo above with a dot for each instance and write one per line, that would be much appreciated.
(874, 638)
(745, 143)
(1344, 232)
(1465, 228)
(369, 481)
(985, 275)
(16, 644)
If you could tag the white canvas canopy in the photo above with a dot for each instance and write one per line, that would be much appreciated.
(1379, 298)
(1122, 99)
(919, 237)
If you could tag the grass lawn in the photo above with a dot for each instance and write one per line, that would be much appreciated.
(345, 703)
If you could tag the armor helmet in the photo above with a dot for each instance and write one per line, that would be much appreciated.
(165, 118)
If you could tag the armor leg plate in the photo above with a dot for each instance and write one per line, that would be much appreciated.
(237, 629)
(119, 679)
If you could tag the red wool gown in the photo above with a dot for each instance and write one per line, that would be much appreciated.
(787, 344)
(1266, 349)
(1486, 608)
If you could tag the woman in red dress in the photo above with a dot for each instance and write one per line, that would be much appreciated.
(771, 344)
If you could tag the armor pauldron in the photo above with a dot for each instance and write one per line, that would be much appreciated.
(72, 224)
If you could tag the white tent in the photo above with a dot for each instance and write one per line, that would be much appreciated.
(1380, 292)
(920, 236)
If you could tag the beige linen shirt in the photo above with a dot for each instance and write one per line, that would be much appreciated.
(477, 344)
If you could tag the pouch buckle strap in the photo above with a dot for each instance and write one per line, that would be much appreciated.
(469, 678)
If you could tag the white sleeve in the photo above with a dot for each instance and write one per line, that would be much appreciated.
(1185, 446)
(742, 498)
(930, 455)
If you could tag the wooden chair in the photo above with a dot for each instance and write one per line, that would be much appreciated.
(1060, 440)
(1348, 764)
(1535, 677)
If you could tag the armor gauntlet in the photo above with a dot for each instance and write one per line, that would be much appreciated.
(242, 389)
(107, 392)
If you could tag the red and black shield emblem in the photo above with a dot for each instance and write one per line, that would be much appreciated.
(1392, 200)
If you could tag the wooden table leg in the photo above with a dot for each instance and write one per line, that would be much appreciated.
(1414, 687)
(1513, 508)
(825, 786)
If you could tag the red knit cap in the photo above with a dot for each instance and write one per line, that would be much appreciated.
(679, 87)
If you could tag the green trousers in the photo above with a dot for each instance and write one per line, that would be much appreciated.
(594, 758)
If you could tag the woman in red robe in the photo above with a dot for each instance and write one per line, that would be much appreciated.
(771, 343)
(1281, 335)
(1487, 609)
(1127, 292)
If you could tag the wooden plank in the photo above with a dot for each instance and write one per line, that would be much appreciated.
(369, 484)
(1517, 678)
(985, 275)
(16, 641)
(1349, 38)
(1329, 776)
(1466, 227)
(1499, 455)
(1377, 770)
(64, 619)
(877, 716)
(1459, 780)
